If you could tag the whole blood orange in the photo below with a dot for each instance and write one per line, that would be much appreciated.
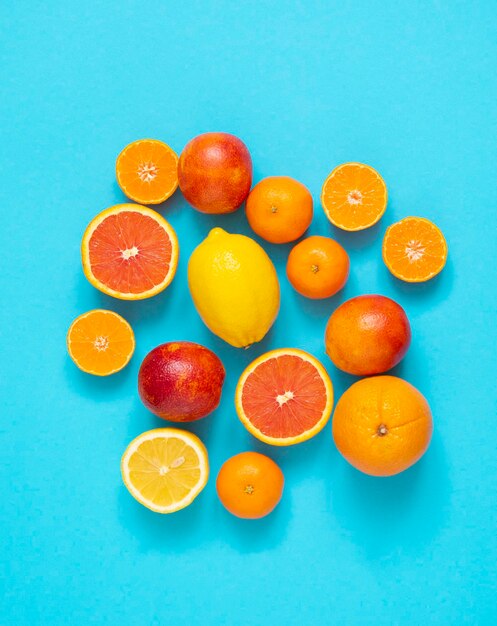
(181, 381)
(367, 334)
(284, 397)
(318, 267)
(382, 425)
(250, 485)
(215, 172)
(279, 209)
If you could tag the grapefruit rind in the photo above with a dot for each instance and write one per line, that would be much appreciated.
(308, 434)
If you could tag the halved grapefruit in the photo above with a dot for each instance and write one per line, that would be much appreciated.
(284, 397)
(129, 252)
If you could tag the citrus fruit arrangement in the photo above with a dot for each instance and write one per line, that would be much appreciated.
(381, 425)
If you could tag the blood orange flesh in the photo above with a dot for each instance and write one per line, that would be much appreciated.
(284, 397)
(129, 252)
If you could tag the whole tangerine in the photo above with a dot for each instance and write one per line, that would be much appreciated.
(367, 335)
(382, 425)
(279, 209)
(250, 485)
(318, 267)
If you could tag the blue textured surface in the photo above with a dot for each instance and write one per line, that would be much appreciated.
(408, 87)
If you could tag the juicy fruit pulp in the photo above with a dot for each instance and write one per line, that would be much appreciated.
(250, 485)
(147, 171)
(414, 249)
(354, 196)
(284, 397)
(165, 469)
(181, 381)
(100, 342)
(279, 209)
(215, 172)
(129, 252)
(367, 335)
(382, 425)
(234, 287)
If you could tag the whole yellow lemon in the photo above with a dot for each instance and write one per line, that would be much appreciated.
(234, 287)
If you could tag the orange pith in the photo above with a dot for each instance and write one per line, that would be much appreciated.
(147, 171)
(129, 252)
(100, 342)
(284, 397)
(414, 249)
(165, 469)
(354, 196)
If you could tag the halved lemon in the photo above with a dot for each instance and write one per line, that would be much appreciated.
(165, 469)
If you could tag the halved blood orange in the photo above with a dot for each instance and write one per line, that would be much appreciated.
(284, 397)
(147, 171)
(354, 196)
(129, 252)
(100, 342)
(414, 249)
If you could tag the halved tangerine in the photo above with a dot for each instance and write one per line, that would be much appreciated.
(354, 196)
(129, 252)
(100, 342)
(284, 397)
(414, 249)
(165, 469)
(147, 171)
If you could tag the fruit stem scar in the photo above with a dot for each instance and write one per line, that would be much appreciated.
(382, 430)
(284, 398)
(274, 209)
(314, 269)
(249, 489)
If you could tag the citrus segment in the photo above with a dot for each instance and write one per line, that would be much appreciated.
(354, 196)
(147, 171)
(129, 252)
(284, 397)
(100, 342)
(414, 249)
(165, 469)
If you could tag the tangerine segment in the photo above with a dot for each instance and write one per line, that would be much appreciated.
(165, 469)
(284, 397)
(354, 196)
(129, 252)
(147, 171)
(100, 342)
(414, 249)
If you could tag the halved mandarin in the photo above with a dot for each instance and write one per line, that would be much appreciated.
(284, 397)
(147, 171)
(100, 342)
(129, 252)
(165, 469)
(414, 249)
(354, 196)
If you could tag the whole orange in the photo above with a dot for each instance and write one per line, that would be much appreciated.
(279, 209)
(367, 335)
(382, 425)
(318, 267)
(250, 485)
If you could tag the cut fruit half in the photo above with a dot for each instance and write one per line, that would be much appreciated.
(100, 342)
(354, 196)
(129, 252)
(284, 397)
(147, 171)
(165, 469)
(414, 249)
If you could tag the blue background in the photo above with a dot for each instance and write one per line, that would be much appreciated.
(408, 87)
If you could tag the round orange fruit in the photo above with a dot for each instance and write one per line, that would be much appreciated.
(100, 342)
(250, 485)
(147, 171)
(284, 397)
(414, 249)
(382, 425)
(354, 196)
(279, 209)
(318, 267)
(129, 252)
